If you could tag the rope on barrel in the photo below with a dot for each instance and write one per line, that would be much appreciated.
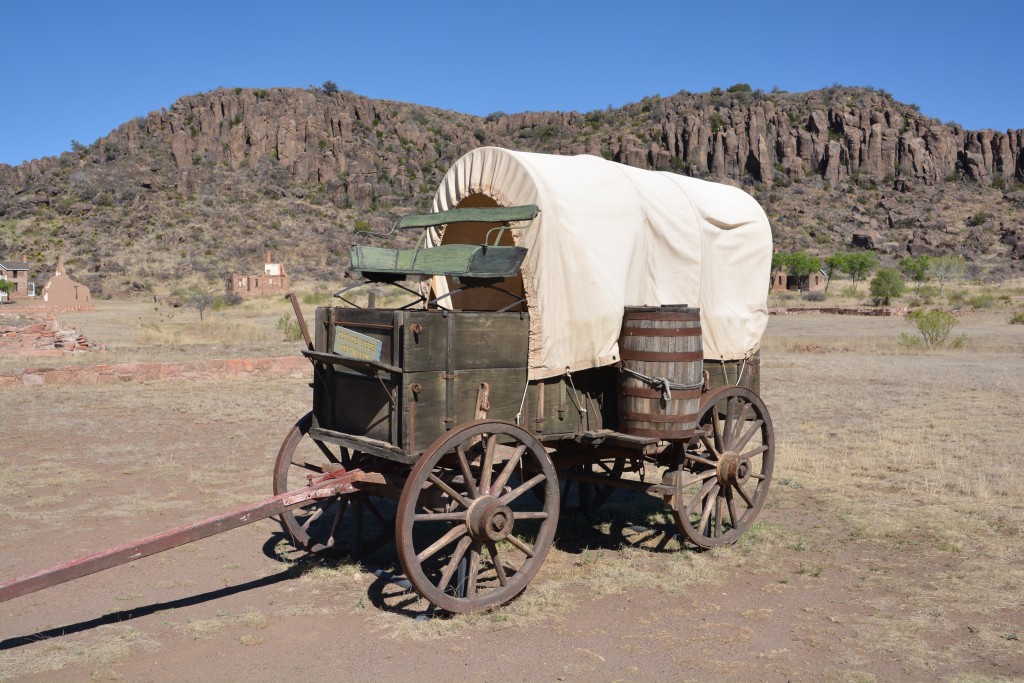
(663, 384)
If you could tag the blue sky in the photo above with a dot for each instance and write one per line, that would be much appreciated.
(76, 70)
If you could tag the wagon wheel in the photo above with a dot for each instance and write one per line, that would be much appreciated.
(318, 527)
(725, 469)
(462, 513)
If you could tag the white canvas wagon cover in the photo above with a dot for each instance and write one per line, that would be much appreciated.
(610, 236)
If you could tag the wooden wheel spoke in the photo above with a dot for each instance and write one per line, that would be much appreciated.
(509, 468)
(440, 517)
(719, 509)
(747, 435)
(521, 544)
(453, 563)
(730, 421)
(530, 515)
(731, 503)
(342, 506)
(526, 486)
(738, 423)
(710, 447)
(453, 533)
(499, 568)
(716, 430)
(700, 477)
(488, 462)
(328, 453)
(743, 494)
(309, 466)
(755, 452)
(455, 495)
(709, 506)
(473, 570)
(697, 499)
(374, 511)
(466, 473)
(703, 461)
(313, 516)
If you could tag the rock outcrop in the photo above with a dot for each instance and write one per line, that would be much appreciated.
(231, 159)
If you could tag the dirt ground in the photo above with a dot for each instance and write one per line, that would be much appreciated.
(890, 547)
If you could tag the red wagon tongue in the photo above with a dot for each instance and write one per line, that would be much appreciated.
(338, 483)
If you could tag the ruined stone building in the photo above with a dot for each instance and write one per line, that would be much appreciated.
(816, 282)
(273, 280)
(17, 273)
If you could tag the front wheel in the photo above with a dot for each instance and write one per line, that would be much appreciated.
(320, 526)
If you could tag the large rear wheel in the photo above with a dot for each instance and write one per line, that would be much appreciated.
(468, 537)
(724, 472)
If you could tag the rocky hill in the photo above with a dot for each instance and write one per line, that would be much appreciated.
(202, 189)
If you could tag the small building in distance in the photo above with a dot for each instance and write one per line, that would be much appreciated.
(273, 280)
(816, 282)
(63, 292)
(16, 272)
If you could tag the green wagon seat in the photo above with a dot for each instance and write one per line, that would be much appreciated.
(482, 261)
(465, 260)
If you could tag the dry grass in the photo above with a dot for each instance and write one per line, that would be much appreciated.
(137, 331)
(900, 469)
(108, 645)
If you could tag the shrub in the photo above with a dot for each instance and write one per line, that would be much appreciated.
(982, 301)
(316, 298)
(329, 87)
(934, 325)
(1017, 318)
(291, 329)
(815, 296)
(362, 225)
(978, 218)
(850, 292)
(886, 285)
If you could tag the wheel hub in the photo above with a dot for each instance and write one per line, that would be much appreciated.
(489, 519)
(733, 469)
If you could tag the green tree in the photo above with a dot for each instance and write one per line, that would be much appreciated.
(946, 268)
(916, 268)
(859, 264)
(329, 87)
(798, 264)
(886, 285)
(6, 286)
(833, 265)
(200, 299)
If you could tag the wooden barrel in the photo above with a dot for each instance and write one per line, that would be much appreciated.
(659, 344)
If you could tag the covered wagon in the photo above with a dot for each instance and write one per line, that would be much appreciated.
(566, 320)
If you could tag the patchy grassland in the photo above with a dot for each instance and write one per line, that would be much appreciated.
(890, 546)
